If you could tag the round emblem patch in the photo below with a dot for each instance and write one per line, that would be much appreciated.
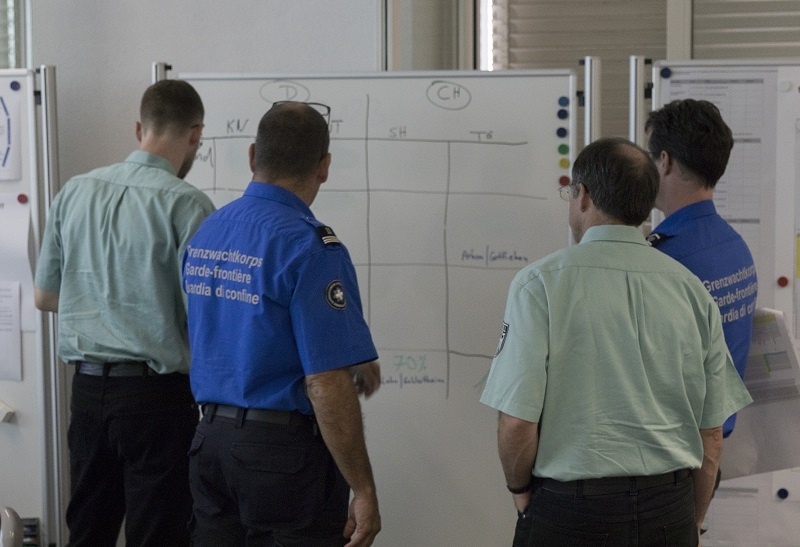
(334, 294)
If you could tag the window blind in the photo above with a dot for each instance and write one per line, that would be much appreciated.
(745, 29)
(559, 33)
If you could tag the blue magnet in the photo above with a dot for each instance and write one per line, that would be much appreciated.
(563, 114)
(563, 101)
(666, 72)
(15, 85)
(561, 132)
(783, 493)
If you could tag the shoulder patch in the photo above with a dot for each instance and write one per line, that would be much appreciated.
(655, 239)
(502, 341)
(327, 236)
(334, 295)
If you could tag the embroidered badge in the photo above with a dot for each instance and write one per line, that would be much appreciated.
(655, 239)
(334, 294)
(327, 236)
(502, 339)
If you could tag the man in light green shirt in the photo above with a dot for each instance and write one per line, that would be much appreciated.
(110, 267)
(612, 377)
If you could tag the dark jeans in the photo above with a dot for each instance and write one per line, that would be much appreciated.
(659, 516)
(257, 483)
(128, 442)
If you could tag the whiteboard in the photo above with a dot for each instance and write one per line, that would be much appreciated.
(21, 377)
(442, 186)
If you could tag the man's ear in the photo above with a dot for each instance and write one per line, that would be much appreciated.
(197, 135)
(666, 164)
(251, 155)
(324, 166)
(139, 131)
(584, 200)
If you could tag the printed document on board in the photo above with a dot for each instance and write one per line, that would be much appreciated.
(767, 433)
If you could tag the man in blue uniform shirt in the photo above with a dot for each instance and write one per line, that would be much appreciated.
(280, 352)
(691, 143)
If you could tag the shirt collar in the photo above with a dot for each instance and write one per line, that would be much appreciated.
(151, 160)
(271, 192)
(685, 214)
(614, 232)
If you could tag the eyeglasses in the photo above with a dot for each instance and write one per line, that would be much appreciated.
(323, 109)
(566, 192)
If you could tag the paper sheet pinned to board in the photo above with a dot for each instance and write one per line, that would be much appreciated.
(15, 265)
(767, 433)
(10, 333)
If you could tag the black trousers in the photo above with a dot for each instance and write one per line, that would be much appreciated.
(265, 484)
(128, 442)
(661, 516)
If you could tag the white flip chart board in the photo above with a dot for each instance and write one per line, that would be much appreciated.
(757, 195)
(442, 186)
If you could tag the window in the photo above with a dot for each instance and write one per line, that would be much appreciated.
(527, 34)
(9, 33)
(745, 29)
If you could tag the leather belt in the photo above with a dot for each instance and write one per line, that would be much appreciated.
(612, 485)
(119, 368)
(278, 417)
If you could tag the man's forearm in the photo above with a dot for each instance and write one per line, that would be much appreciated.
(705, 477)
(518, 442)
(338, 413)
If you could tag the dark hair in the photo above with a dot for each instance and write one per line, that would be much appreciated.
(292, 139)
(170, 105)
(620, 178)
(693, 133)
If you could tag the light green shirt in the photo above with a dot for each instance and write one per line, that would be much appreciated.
(617, 351)
(112, 249)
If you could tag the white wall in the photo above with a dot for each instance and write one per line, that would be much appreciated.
(103, 53)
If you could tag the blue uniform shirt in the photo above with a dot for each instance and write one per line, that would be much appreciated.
(700, 239)
(272, 297)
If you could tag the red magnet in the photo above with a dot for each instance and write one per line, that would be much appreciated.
(22, 198)
(783, 281)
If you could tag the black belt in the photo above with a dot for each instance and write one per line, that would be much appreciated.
(120, 368)
(611, 485)
(278, 417)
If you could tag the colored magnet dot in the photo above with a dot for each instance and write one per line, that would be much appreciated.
(563, 114)
(15, 85)
(562, 132)
(563, 163)
(563, 149)
(783, 281)
(563, 101)
(22, 198)
(563, 181)
(666, 72)
(783, 493)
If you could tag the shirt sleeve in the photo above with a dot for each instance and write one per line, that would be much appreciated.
(48, 267)
(518, 376)
(327, 319)
(725, 391)
(189, 218)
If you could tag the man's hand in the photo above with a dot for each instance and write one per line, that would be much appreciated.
(366, 377)
(363, 522)
(521, 501)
